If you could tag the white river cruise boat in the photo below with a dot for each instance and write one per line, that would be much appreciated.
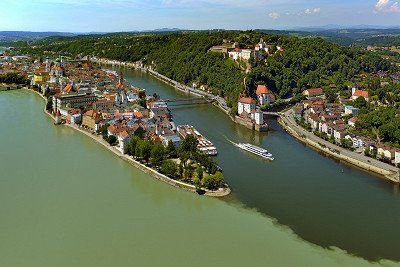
(256, 150)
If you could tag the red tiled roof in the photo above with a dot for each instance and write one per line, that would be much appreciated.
(314, 91)
(247, 100)
(68, 88)
(262, 89)
(354, 119)
(124, 134)
(362, 93)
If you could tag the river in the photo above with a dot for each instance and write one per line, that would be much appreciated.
(323, 201)
(67, 201)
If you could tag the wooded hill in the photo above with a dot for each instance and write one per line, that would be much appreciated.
(185, 57)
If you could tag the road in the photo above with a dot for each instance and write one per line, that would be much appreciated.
(288, 118)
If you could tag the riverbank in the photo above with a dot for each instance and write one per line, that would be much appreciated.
(222, 192)
(384, 170)
(8, 87)
(217, 101)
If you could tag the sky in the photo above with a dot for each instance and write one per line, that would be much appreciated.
(133, 15)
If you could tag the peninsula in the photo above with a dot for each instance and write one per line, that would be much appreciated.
(137, 127)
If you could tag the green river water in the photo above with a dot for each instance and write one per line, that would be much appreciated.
(67, 201)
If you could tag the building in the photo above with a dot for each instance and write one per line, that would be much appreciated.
(358, 142)
(350, 110)
(386, 152)
(175, 139)
(39, 78)
(102, 104)
(123, 141)
(298, 111)
(264, 95)
(356, 93)
(240, 54)
(91, 119)
(74, 116)
(352, 121)
(73, 100)
(313, 92)
(258, 117)
(246, 104)
(397, 157)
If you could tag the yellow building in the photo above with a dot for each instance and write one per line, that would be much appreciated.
(39, 78)
(91, 118)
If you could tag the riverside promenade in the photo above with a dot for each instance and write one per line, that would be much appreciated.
(388, 171)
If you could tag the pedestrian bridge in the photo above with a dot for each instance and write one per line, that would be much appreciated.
(187, 101)
(274, 114)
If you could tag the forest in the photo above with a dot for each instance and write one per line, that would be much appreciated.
(185, 57)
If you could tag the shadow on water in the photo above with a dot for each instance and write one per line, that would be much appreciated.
(322, 200)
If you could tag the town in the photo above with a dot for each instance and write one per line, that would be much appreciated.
(101, 102)
(335, 121)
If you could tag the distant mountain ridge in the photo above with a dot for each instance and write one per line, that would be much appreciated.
(28, 35)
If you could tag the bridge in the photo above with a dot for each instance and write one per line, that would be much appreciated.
(187, 101)
(273, 114)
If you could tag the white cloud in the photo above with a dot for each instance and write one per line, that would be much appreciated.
(387, 6)
(274, 15)
(395, 8)
(310, 11)
(381, 4)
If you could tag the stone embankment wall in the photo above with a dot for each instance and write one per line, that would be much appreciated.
(389, 175)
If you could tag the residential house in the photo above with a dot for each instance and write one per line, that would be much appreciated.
(386, 152)
(358, 142)
(356, 93)
(339, 131)
(350, 110)
(352, 121)
(264, 95)
(397, 157)
(74, 116)
(123, 141)
(298, 111)
(314, 92)
(246, 104)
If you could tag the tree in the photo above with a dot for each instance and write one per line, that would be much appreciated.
(157, 154)
(103, 130)
(199, 173)
(49, 104)
(143, 150)
(189, 171)
(346, 143)
(213, 182)
(169, 168)
(139, 132)
(180, 170)
(171, 150)
(112, 140)
(188, 145)
(330, 95)
(360, 103)
(133, 144)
